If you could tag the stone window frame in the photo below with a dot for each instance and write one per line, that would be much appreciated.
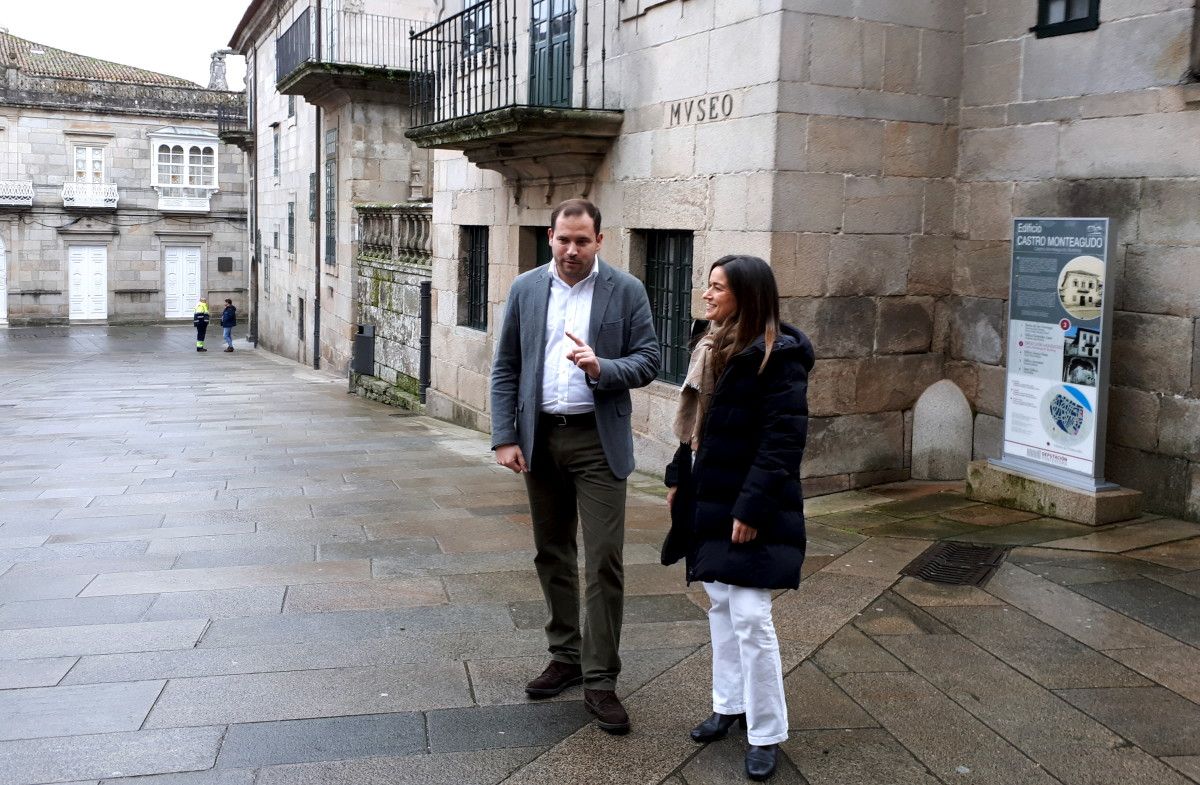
(103, 140)
(1069, 24)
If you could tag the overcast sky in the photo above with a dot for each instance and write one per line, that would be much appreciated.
(169, 36)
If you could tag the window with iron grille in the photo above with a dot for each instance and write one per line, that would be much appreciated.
(475, 267)
(275, 149)
(669, 288)
(331, 139)
(1060, 17)
(263, 261)
(291, 227)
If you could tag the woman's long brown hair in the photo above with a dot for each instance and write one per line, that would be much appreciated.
(756, 296)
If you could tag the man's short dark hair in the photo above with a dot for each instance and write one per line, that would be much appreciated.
(228, 301)
(573, 207)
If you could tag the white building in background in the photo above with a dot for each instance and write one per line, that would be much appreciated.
(118, 202)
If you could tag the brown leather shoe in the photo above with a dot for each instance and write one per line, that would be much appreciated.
(607, 709)
(556, 678)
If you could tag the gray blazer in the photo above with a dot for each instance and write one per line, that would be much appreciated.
(621, 332)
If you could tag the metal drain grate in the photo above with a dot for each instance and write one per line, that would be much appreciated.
(956, 563)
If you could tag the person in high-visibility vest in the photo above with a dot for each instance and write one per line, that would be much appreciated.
(200, 320)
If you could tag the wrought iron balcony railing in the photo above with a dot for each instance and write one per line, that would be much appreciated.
(232, 119)
(497, 54)
(16, 193)
(90, 195)
(344, 38)
(396, 232)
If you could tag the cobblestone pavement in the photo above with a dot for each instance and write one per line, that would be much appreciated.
(222, 569)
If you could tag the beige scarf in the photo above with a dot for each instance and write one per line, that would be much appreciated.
(696, 394)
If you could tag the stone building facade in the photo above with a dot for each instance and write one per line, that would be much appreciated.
(118, 202)
(324, 131)
(875, 153)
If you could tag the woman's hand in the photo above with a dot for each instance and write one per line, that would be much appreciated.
(743, 533)
(671, 498)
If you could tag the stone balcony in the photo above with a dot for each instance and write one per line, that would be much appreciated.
(101, 196)
(16, 193)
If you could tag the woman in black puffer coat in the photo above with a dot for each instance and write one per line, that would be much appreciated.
(737, 512)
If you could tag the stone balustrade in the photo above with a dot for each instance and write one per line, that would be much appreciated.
(396, 232)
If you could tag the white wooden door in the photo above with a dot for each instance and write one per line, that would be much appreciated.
(181, 265)
(3, 283)
(88, 270)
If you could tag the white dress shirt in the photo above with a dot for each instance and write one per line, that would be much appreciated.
(564, 385)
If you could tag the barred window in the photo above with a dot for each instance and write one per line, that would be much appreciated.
(669, 288)
(291, 236)
(331, 140)
(1060, 17)
(475, 269)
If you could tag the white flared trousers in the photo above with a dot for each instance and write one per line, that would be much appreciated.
(747, 671)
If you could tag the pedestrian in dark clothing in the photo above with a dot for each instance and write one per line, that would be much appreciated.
(228, 322)
(737, 511)
(200, 321)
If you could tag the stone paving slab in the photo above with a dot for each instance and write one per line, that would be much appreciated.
(1174, 667)
(1127, 538)
(814, 702)
(216, 603)
(1088, 622)
(249, 746)
(111, 755)
(1044, 654)
(487, 767)
(1179, 555)
(258, 697)
(42, 672)
(494, 727)
(844, 756)
(209, 578)
(1154, 718)
(74, 611)
(75, 711)
(1072, 747)
(100, 639)
(90, 566)
(314, 628)
(15, 589)
(939, 733)
(1152, 603)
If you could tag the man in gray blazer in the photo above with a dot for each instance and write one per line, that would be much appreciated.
(577, 336)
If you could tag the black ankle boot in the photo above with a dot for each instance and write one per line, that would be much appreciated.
(716, 727)
(760, 761)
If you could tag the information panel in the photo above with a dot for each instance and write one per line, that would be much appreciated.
(1060, 312)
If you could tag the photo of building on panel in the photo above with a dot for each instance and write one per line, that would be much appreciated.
(1081, 287)
(1081, 356)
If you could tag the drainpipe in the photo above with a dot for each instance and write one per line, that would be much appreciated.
(317, 260)
(586, 4)
(255, 262)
